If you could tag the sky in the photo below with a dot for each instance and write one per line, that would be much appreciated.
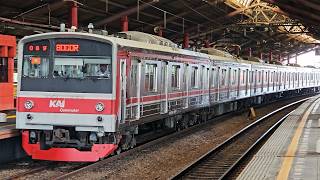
(308, 58)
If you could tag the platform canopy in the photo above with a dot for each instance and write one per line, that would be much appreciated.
(256, 27)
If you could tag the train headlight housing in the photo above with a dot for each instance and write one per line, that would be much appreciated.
(99, 107)
(93, 137)
(32, 137)
(28, 104)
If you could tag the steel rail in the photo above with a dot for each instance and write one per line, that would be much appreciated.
(230, 140)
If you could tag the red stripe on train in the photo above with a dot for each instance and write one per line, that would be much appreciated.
(66, 105)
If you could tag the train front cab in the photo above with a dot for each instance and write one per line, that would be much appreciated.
(7, 53)
(67, 107)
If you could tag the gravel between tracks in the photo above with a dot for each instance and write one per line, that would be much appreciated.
(165, 159)
(10, 169)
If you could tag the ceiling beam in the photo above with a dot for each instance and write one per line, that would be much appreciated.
(126, 12)
(12, 21)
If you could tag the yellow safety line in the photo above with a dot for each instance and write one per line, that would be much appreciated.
(291, 151)
(10, 117)
(7, 125)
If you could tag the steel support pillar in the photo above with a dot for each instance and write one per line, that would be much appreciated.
(185, 44)
(124, 24)
(237, 50)
(206, 44)
(270, 56)
(160, 32)
(74, 14)
(279, 58)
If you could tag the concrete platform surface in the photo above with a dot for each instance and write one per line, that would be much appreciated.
(293, 151)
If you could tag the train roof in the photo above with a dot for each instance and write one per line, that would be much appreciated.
(149, 46)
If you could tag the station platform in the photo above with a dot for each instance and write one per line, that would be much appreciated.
(8, 129)
(293, 150)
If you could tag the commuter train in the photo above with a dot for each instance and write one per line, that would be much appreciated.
(84, 96)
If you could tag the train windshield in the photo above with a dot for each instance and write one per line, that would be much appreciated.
(67, 65)
(82, 68)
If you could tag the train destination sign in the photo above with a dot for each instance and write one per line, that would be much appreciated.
(67, 47)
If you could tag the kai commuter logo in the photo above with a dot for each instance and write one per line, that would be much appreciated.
(57, 103)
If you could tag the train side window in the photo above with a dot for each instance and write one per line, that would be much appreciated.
(234, 77)
(134, 76)
(194, 77)
(213, 76)
(151, 77)
(243, 76)
(252, 76)
(223, 77)
(259, 76)
(3, 70)
(175, 77)
(266, 77)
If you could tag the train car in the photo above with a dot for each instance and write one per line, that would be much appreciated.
(7, 53)
(83, 96)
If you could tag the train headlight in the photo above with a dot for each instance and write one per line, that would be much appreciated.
(32, 137)
(28, 104)
(99, 107)
(93, 137)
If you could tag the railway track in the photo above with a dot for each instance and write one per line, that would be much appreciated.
(221, 161)
(67, 170)
(47, 170)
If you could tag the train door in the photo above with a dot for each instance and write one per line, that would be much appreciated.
(247, 81)
(133, 89)
(218, 84)
(229, 86)
(267, 79)
(195, 84)
(206, 85)
(280, 79)
(164, 87)
(123, 89)
(174, 85)
(285, 80)
(240, 80)
(262, 80)
(214, 84)
(256, 80)
(290, 80)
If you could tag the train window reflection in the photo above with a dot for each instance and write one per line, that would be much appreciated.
(82, 68)
(35, 67)
(151, 77)
(175, 77)
(194, 77)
